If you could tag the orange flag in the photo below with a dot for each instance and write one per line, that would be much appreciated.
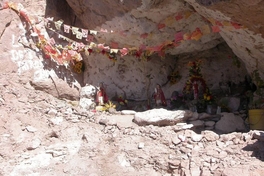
(187, 36)
(197, 34)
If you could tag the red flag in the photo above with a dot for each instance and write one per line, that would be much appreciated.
(236, 25)
(218, 23)
(216, 29)
(161, 25)
(145, 35)
(178, 17)
(114, 45)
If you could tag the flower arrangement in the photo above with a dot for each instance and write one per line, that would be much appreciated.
(195, 76)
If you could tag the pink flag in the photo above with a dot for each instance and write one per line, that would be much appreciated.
(101, 46)
(178, 37)
(124, 52)
(103, 30)
(52, 41)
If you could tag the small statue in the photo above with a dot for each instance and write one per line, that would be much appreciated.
(195, 90)
(159, 96)
(101, 97)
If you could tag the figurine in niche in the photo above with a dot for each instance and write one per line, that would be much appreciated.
(101, 97)
(159, 96)
(195, 90)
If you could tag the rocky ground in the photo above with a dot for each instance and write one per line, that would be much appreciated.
(42, 135)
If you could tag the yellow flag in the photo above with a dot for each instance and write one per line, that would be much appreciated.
(169, 21)
(187, 14)
(206, 29)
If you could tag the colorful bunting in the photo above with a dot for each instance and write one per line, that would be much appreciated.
(71, 52)
(215, 29)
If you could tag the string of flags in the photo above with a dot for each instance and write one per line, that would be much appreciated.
(64, 55)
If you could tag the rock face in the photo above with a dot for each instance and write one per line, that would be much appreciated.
(161, 117)
(140, 24)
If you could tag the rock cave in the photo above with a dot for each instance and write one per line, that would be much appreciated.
(205, 55)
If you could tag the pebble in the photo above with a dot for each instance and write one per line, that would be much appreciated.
(141, 145)
(31, 129)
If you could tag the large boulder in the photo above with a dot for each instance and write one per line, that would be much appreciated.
(230, 123)
(87, 97)
(161, 117)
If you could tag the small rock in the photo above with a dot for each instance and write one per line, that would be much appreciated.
(34, 144)
(52, 112)
(209, 123)
(258, 135)
(31, 129)
(103, 121)
(141, 145)
(195, 116)
(182, 138)
(210, 135)
(197, 123)
(196, 137)
(56, 120)
(176, 141)
(128, 112)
